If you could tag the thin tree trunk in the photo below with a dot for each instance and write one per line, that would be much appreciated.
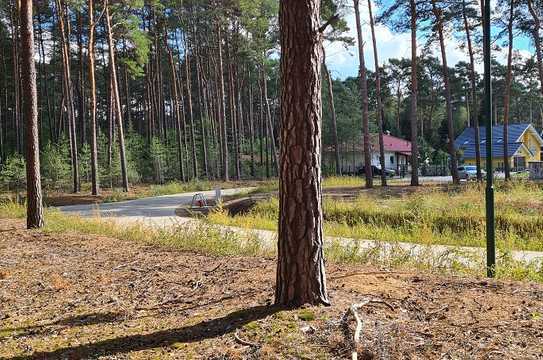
(537, 41)
(414, 91)
(333, 113)
(68, 92)
(16, 83)
(269, 119)
(448, 97)
(473, 92)
(363, 98)
(380, 109)
(191, 113)
(300, 263)
(251, 129)
(2, 90)
(116, 98)
(398, 108)
(203, 109)
(222, 109)
(28, 71)
(177, 115)
(50, 112)
(95, 183)
(81, 80)
(507, 96)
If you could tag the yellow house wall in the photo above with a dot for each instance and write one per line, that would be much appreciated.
(530, 140)
(496, 163)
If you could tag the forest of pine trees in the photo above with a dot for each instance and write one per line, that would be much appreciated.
(153, 91)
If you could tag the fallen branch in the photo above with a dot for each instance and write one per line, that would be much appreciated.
(214, 269)
(244, 342)
(384, 303)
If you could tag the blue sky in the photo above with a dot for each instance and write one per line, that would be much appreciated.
(344, 62)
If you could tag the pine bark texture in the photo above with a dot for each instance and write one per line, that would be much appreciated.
(300, 270)
(28, 72)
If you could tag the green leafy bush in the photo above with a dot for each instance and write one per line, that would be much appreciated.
(13, 173)
(55, 165)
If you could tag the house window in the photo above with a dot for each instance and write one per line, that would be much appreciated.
(392, 159)
(519, 163)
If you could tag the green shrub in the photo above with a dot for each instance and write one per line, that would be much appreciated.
(55, 165)
(13, 173)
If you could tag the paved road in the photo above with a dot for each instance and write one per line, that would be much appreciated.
(160, 212)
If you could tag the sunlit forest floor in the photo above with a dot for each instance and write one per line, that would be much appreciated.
(80, 296)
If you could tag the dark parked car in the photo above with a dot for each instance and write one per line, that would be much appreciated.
(376, 171)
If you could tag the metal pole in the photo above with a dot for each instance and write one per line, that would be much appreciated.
(490, 226)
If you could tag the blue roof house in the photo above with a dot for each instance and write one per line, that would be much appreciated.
(524, 146)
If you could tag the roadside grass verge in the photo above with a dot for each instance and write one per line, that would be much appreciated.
(215, 240)
(454, 216)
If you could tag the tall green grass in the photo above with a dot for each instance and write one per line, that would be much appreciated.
(451, 217)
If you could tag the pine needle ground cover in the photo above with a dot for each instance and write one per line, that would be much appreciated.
(68, 294)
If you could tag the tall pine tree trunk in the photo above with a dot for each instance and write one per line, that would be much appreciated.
(507, 96)
(16, 83)
(448, 97)
(300, 262)
(537, 41)
(116, 98)
(380, 110)
(203, 110)
(333, 113)
(188, 85)
(222, 108)
(28, 71)
(251, 128)
(473, 94)
(81, 81)
(414, 91)
(68, 93)
(269, 124)
(177, 115)
(363, 81)
(95, 185)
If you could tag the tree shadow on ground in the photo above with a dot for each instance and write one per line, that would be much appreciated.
(71, 321)
(187, 334)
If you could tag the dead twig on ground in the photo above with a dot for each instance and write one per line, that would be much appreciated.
(353, 309)
(244, 342)
(207, 272)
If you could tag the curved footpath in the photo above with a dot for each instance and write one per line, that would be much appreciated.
(159, 212)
